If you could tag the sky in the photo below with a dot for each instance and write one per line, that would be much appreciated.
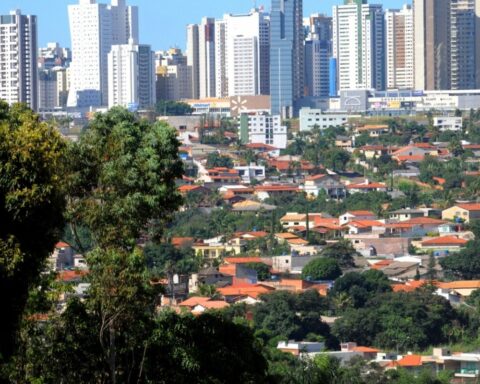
(162, 22)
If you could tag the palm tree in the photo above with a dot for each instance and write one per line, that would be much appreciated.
(207, 290)
(342, 301)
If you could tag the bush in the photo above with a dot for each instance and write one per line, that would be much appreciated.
(321, 269)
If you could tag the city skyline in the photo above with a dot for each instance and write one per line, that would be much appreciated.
(157, 13)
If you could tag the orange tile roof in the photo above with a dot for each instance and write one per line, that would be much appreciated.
(366, 186)
(362, 213)
(181, 241)
(62, 244)
(298, 241)
(286, 235)
(189, 188)
(445, 240)
(365, 223)
(365, 349)
(261, 146)
(242, 260)
(277, 188)
(253, 290)
(256, 234)
(193, 301)
(316, 177)
(469, 206)
(381, 264)
(467, 284)
(67, 276)
(408, 361)
(424, 220)
(410, 158)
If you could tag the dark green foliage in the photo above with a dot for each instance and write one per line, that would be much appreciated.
(209, 349)
(166, 260)
(321, 268)
(286, 315)
(342, 251)
(398, 321)
(214, 160)
(173, 108)
(263, 270)
(32, 202)
(122, 178)
(464, 265)
(360, 287)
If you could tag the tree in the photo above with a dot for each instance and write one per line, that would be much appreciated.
(173, 108)
(321, 269)
(122, 178)
(463, 265)
(263, 270)
(167, 260)
(342, 252)
(214, 160)
(32, 158)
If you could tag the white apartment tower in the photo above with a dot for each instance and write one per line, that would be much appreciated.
(247, 40)
(18, 59)
(94, 29)
(193, 59)
(221, 83)
(206, 61)
(399, 48)
(358, 45)
(131, 76)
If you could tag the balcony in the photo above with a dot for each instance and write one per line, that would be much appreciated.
(465, 372)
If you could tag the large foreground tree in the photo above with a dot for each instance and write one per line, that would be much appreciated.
(31, 209)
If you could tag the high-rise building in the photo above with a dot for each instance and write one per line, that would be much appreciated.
(432, 44)
(286, 56)
(247, 42)
(399, 48)
(174, 76)
(18, 59)
(358, 45)
(318, 51)
(94, 29)
(221, 83)
(462, 44)
(206, 61)
(193, 58)
(53, 63)
(131, 76)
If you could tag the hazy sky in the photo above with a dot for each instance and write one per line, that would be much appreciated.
(162, 22)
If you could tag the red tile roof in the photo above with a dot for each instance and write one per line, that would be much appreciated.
(445, 240)
(407, 361)
(366, 186)
(193, 301)
(362, 213)
(62, 244)
(242, 260)
(469, 206)
(277, 188)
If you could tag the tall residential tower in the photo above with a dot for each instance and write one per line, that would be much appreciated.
(18, 59)
(286, 56)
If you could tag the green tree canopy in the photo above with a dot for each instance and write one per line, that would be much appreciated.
(32, 202)
(122, 181)
(321, 268)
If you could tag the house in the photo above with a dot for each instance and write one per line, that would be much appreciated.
(357, 227)
(327, 183)
(62, 257)
(192, 188)
(292, 167)
(448, 123)
(344, 142)
(356, 215)
(374, 151)
(328, 228)
(415, 153)
(406, 214)
(443, 244)
(251, 172)
(264, 192)
(462, 212)
(249, 293)
(209, 250)
(373, 130)
(290, 263)
(297, 348)
(208, 276)
(298, 221)
(367, 186)
(221, 175)
(209, 305)
(462, 288)
(380, 246)
(412, 363)
(182, 242)
(251, 206)
(260, 148)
